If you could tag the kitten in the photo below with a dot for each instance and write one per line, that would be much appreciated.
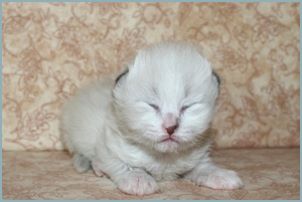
(149, 124)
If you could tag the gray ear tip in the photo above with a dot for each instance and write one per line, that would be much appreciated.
(121, 75)
(217, 77)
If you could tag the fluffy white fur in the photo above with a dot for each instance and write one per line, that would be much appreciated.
(120, 129)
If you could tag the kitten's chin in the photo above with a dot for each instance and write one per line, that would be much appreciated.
(168, 146)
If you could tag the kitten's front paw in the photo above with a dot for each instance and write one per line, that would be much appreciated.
(220, 179)
(97, 168)
(137, 183)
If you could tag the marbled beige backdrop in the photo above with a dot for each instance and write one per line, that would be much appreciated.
(52, 49)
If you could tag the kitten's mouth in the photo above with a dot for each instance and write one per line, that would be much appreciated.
(169, 139)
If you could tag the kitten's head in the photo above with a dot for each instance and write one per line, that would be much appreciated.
(166, 99)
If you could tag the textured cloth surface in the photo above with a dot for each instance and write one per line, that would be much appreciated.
(52, 49)
(267, 174)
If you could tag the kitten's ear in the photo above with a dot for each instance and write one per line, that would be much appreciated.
(137, 64)
(129, 70)
(121, 75)
(216, 76)
(132, 68)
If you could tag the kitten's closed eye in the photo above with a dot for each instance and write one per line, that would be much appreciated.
(154, 106)
(185, 107)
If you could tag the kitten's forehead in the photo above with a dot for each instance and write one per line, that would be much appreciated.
(170, 59)
(173, 65)
(169, 71)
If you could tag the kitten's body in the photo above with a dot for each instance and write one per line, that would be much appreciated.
(121, 132)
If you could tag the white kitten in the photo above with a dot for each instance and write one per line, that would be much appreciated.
(149, 124)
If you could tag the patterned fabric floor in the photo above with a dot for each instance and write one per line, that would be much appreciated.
(267, 174)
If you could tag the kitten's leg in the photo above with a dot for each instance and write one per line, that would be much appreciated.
(209, 175)
(129, 180)
(81, 163)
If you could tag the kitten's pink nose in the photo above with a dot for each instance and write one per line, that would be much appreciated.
(170, 123)
(170, 130)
